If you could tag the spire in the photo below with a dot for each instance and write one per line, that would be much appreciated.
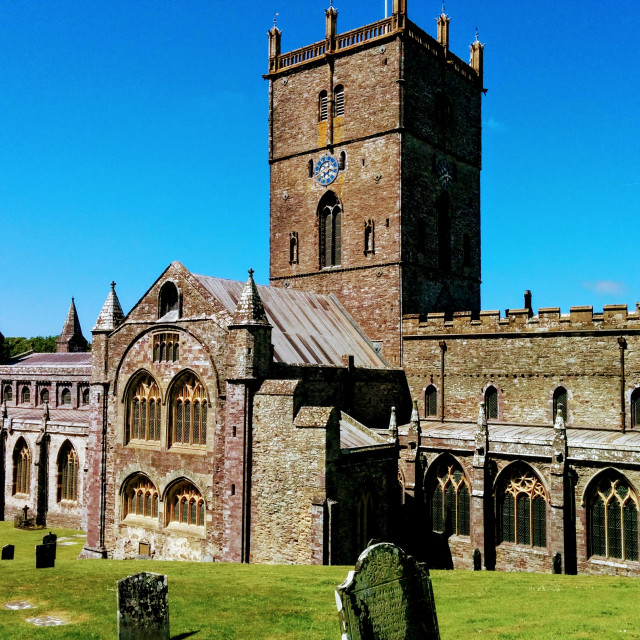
(249, 309)
(71, 338)
(111, 314)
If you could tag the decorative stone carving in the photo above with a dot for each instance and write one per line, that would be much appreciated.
(388, 596)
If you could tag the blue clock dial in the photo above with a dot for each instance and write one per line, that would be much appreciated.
(326, 170)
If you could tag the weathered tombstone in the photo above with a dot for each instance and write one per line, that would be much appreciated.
(388, 596)
(143, 607)
(7, 552)
(45, 556)
(477, 559)
(51, 539)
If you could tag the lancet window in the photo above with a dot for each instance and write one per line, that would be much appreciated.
(145, 411)
(523, 510)
(431, 401)
(189, 413)
(560, 403)
(365, 522)
(491, 403)
(450, 500)
(330, 221)
(166, 347)
(613, 513)
(67, 473)
(21, 468)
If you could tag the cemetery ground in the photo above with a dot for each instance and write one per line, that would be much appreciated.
(259, 602)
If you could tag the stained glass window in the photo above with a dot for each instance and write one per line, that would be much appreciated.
(450, 504)
(189, 417)
(524, 509)
(141, 498)
(67, 473)
(143, 421)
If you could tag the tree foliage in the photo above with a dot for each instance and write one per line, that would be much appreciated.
(39, 344)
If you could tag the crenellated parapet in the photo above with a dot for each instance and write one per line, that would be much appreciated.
(614, 317)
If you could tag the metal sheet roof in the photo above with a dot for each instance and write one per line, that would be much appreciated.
(56, 416)
(354, 435)
(308, 328)
(53, 359)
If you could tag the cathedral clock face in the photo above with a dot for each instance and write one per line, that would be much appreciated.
(326, 170)
(445, 173)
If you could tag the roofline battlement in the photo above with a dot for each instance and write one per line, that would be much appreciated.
(397, 24)
(614, 317)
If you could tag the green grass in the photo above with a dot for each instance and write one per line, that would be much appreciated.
(260, 602)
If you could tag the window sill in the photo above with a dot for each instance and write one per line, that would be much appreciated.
(616, 563)
(141, 521)
(144, 444)
(198, 449)
(189, 530)
(542, 551)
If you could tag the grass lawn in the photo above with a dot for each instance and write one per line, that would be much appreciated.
(259, 602)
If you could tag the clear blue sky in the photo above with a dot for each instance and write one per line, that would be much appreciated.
(135, 133)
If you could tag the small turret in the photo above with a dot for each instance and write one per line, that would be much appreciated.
(111, 314)
(275, 37)
(475, 60)
(249, 352)
(71, 339)
(332, 26)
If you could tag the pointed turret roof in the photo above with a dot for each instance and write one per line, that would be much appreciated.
(250, 309)
(111, 314)
(71, 338)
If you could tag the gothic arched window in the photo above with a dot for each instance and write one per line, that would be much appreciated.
(491, 403)
(67, 473)
(522, 504)
(188, 413)
(140, 498)
(26, 395)
(144, 415)
(444, 233)
(323, 106)
(431, 401)
(635, 408)
(330, 221)
(338, 100)
(21, 468)
(186, 505)
(169, 299)
(560, 401)
(450, 499)
(613, 516)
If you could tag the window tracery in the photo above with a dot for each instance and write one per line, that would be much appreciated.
(450, 501)
(186, 505)
(189, 413)
(21, 468)
(524, 510)
(67, 474)
(145, 411)
(166, 347)
(613, 515)
(141, 498)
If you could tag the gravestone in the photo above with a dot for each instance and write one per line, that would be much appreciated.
(477, 560)
(51, 539)
(557, 563)
(143, 607)
(388, 596)
(45, 556)
(7, 552)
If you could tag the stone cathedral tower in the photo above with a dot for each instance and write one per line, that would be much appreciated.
(375, 147)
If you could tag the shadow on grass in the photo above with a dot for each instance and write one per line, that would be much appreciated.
(184, 635)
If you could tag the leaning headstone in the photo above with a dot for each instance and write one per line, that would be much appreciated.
(45, 556)
(143, 607)
(7, 552)
(388, 596)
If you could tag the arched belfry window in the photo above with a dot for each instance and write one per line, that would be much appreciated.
(431, 401)
(21, 468)
(338, 98)
(635, 408)
(444, 232)
(188, 413)
(522, 508)
(613, 516)
(67, 473)
(168, 300)
(491, 403)
(560, 403)
(330, 221)
(144, 410)
(450, 499)
(323, 106)
(26, 395)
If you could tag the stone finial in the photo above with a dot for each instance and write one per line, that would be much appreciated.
(415, 417)
(559, 421)
(559, 441)
(71, 338)
(393, 423)
(481, 437)
(443, 29)
(476, 58)
(4, 409)
(45, 413)
(111, 315)
(250, 310)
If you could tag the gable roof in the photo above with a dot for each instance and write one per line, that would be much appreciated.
(307, 328)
